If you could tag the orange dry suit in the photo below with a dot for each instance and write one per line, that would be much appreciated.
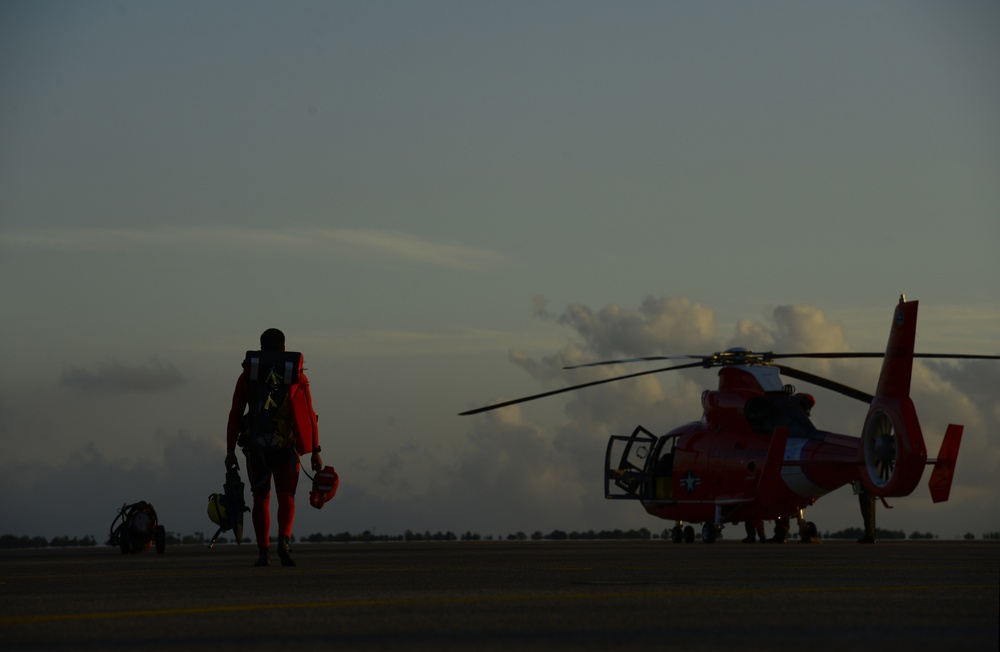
(273, 421)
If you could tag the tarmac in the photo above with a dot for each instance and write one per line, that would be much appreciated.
(524, 595)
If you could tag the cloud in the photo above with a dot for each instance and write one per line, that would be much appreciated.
(665, 326)
(358, 244)
(117, 378)
(804, 328)
(406, 247)
(82, 496)
(539, 467)
(672, 325)
(515, 469)
(659, 324)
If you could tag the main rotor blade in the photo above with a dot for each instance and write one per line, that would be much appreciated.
(643, 359)
(741, 357)
(524, 399)
(957, 356)
(775, 356)
(826, 383)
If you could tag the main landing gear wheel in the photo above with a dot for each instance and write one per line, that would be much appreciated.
(710, 532)
(689, 534)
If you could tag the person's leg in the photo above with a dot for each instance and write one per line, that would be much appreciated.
(260, 488)
(286, 480)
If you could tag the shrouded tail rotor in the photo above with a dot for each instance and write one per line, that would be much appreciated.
(881, 449)
(893, 454)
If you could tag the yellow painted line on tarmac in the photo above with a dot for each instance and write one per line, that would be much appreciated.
(192, 611)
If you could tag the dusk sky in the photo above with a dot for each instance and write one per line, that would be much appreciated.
(442, 203)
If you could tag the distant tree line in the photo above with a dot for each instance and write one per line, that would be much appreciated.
(11, 541)
(410, 535)
(857, 533)
(173, 539)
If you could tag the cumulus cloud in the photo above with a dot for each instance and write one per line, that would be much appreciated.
(672, 325)
(523, 468)
(792, 329)
(808, 327)
(962, 392)
(977, 379)
(515, 462)
(657, 325)
(666, 326)
(116, 377)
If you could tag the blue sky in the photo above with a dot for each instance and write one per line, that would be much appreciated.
(421, 195)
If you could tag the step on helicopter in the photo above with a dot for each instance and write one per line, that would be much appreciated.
(756, 456)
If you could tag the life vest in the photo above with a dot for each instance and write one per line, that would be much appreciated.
(280, 413)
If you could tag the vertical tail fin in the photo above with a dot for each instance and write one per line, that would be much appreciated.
(892, 445)
(897, 366)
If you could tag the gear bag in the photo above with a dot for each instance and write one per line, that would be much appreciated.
(136, 527)
(268, 424)
(226, 509)
(324, 487)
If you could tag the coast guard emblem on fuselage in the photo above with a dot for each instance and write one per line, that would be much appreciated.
(690, 481)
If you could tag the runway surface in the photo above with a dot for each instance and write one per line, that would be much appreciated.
(501, 595)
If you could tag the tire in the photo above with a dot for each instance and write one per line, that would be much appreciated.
(689, 534)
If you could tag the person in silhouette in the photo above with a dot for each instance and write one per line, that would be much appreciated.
(273, 421)
(755, 530)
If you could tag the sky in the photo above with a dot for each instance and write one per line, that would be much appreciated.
(441, 204)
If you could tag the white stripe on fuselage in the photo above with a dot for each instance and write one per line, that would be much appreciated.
(794, 476)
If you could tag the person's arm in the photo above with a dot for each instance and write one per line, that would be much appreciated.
(235, 419)
(315, 460)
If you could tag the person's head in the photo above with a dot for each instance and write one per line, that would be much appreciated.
(272, 340)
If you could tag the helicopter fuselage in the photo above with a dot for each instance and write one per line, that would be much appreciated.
(754, 455)
(702, 474)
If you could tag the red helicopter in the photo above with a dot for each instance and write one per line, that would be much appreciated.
(755, 455)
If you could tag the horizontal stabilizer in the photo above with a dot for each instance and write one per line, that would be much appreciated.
(944, 466)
